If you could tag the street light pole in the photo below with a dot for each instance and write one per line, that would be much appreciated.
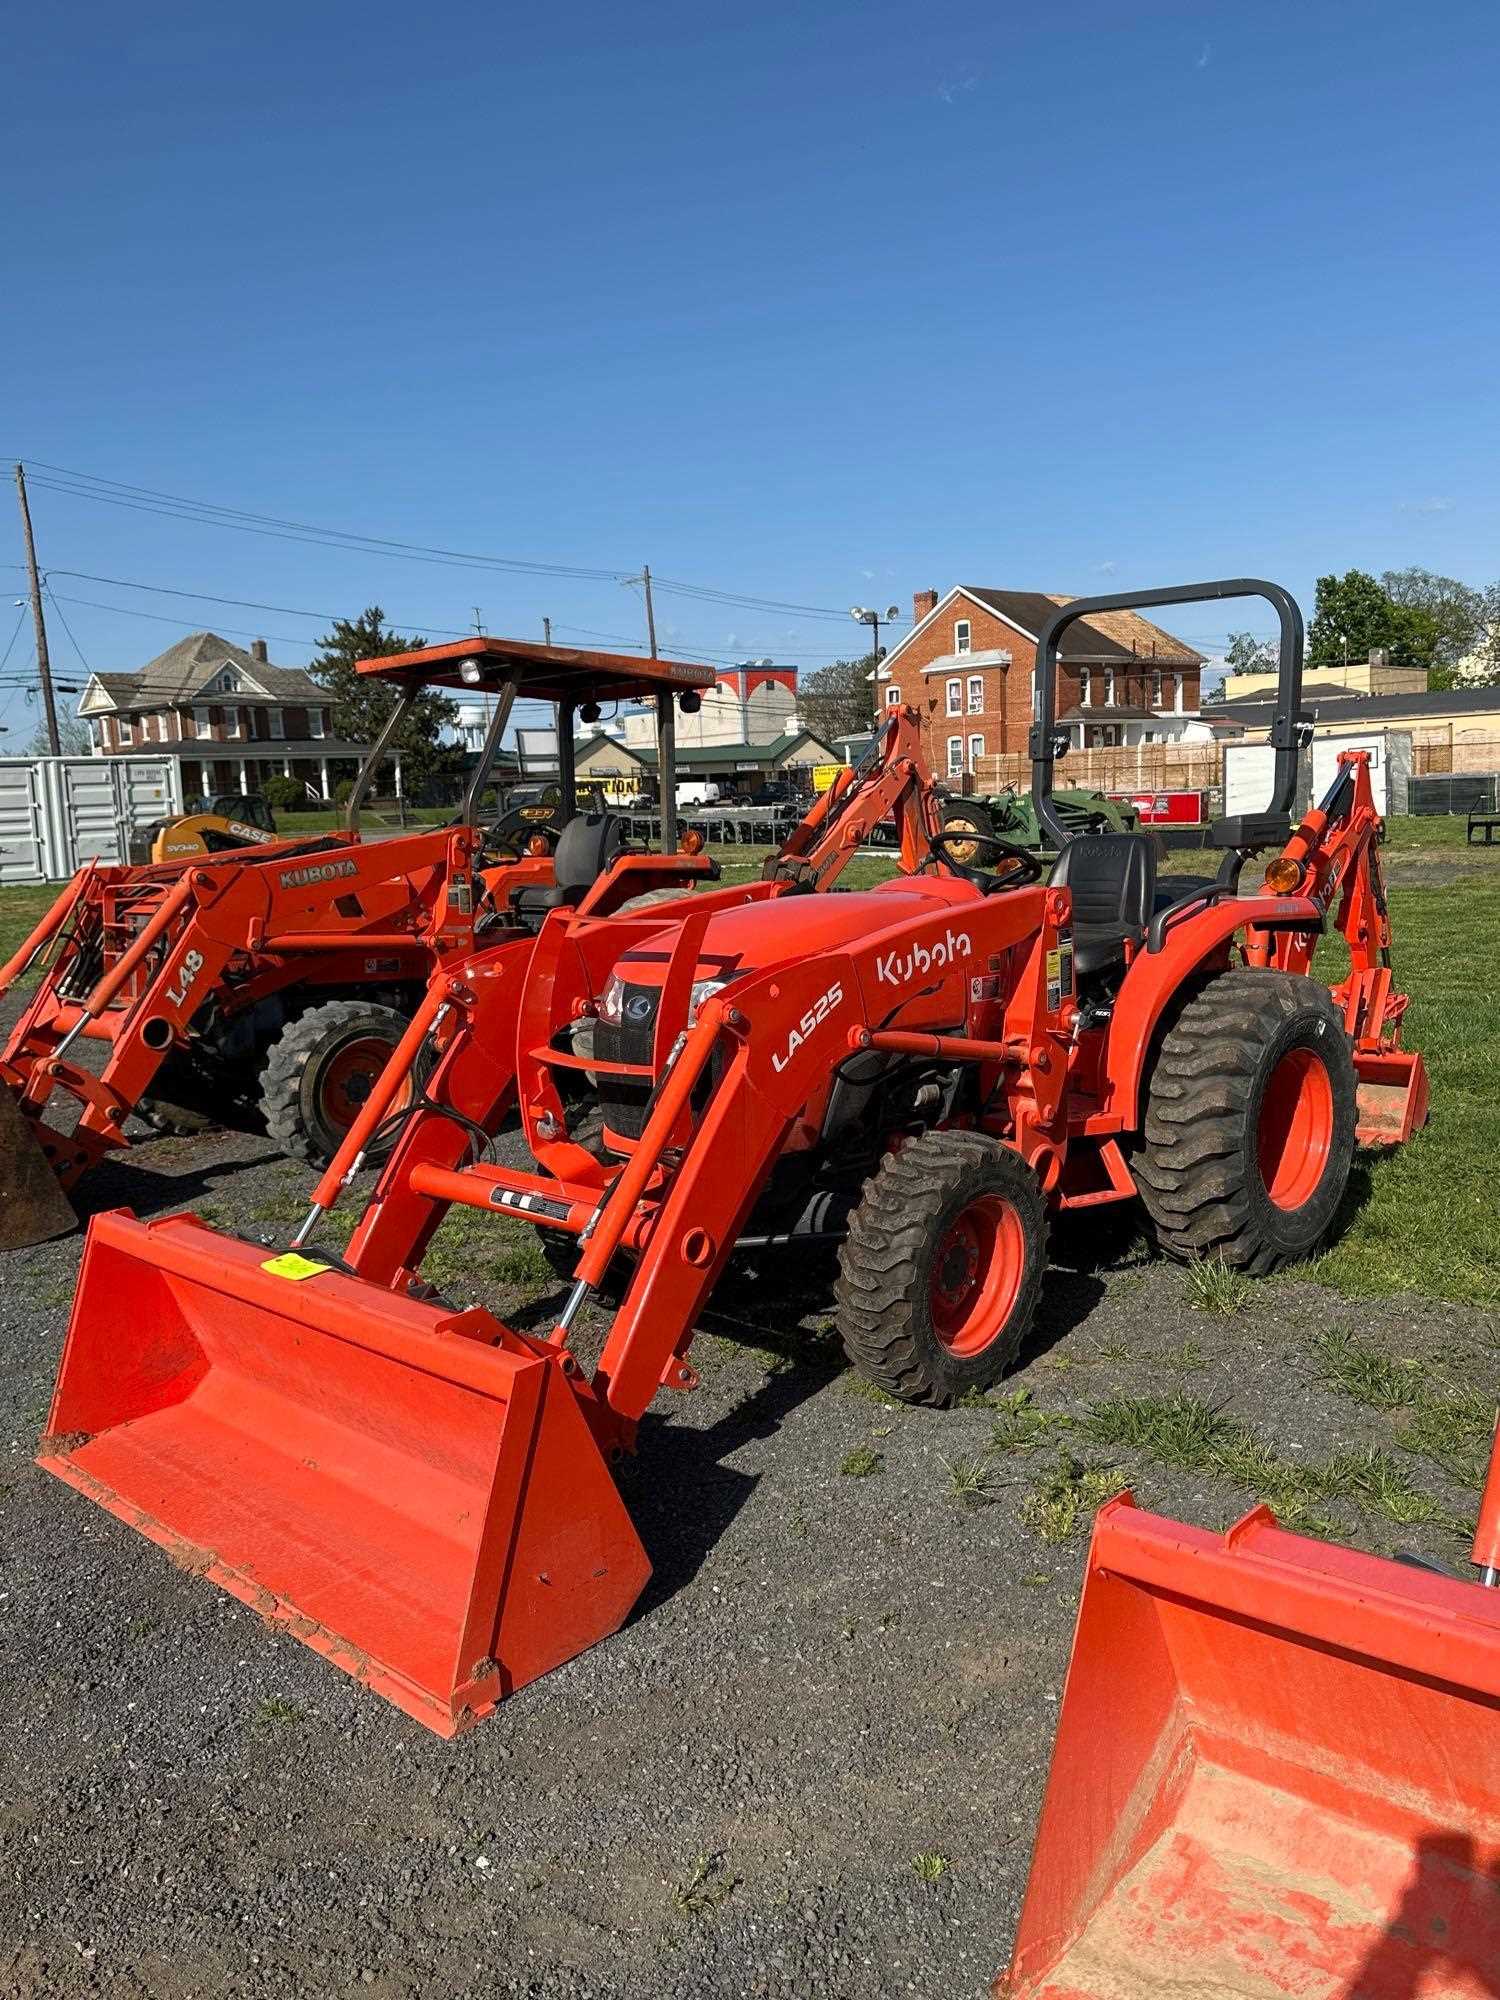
(862, 615)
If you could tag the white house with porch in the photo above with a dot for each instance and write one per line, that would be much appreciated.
(228, 716)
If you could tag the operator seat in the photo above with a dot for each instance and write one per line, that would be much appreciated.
(1112, 878)
(587, 846)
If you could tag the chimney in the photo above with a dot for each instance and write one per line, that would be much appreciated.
(258, 651)
(922, 601)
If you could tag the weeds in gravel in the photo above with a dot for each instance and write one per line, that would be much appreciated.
(1070, 1489)
(971, 1482)
(870, 1392)
(930, 1868)
(861, 1462)
(1213, 1287)
(1186, 1356)
(1381, 1380)
(709, 1885)
(1019, 1424)
(1185, 1432)
(274, 1713)
(1448, 1425)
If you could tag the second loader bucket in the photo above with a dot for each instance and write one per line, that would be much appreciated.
(1277, 1772)
(33, 1206)
(414, 1492)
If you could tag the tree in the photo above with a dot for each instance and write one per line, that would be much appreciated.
(1249, 655)
(74, 738)
(362, 705)
(1456, 610)
(1354, 616)
(839, 700)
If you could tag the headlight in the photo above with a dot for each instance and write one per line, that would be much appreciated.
(612, 1000)
(703, 989)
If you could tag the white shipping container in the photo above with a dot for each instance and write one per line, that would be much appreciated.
(58, 812)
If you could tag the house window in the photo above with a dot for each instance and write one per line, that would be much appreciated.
(1109, 687)
(976, 750)
(1156, 689)
(955, 755)
(1177, 693)
(955, 697)
(1085, 687)
(893, 697)
(976, 694)
(278, 724)
(231, 723)
(961, 636)
(315, 722)
(200, 720)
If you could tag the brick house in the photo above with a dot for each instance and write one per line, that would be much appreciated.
(967, 666)
(229, 717)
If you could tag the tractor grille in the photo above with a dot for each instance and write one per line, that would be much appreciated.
(623, 1099)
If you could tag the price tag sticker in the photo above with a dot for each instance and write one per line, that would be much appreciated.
(290, 1265)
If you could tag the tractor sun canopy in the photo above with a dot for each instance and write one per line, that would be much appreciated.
(569, 677)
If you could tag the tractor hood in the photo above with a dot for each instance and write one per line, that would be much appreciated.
(762, 934)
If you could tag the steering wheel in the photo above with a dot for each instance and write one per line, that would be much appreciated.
(1027, 867)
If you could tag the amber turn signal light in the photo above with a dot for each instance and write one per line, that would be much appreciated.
(692, 841)
(1283, 876)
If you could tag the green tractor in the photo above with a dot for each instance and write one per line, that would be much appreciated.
(1012, 816)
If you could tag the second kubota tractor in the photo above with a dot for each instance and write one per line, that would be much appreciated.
(278, 975)
(923, 1072)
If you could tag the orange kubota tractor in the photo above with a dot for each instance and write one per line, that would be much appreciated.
(280, 976)
(921, 1071)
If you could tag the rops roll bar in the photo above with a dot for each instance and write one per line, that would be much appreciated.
(1284, 729)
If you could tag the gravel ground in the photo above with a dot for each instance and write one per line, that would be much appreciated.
(835, 1687)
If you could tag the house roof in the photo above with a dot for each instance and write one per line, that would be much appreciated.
(712, 756)
(183, 670)
(1340, 705)
(1108, 636)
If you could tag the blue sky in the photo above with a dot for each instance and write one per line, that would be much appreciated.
(816, 303)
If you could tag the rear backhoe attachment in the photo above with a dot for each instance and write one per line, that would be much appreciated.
(1277, 1772)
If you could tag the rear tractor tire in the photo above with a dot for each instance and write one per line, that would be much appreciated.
(942, 1266)
(1249, 1132)
(319, 1072)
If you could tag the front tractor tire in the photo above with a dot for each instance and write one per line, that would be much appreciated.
(319, 1072)
(942, 1266)
(1249, 1132)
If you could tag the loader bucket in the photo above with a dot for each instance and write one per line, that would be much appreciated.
(413, 1492)
(33, 1206)
(1277, 1771)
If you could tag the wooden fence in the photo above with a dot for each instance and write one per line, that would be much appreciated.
(1437, 751)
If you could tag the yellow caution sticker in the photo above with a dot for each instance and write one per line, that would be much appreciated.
(290, 1265)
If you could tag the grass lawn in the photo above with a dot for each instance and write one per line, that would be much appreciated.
(1421, 1219)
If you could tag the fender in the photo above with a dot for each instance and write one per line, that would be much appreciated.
(1154, 979)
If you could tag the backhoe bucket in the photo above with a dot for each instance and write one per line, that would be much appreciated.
(413, 1492)
(33, 1206)
(1277, 1771)
(1391, 1096)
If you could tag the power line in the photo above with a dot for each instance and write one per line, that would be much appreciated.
(67, 627)
(148, 499)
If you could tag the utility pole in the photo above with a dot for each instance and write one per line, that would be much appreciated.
(43, 661)
(650, 608)
(546, 631)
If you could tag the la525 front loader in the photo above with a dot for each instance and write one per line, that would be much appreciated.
(281, 976)
(920, 1073)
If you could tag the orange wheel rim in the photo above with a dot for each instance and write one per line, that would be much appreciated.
(349, 1077)
(1296, 1129)
(977, 1275)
